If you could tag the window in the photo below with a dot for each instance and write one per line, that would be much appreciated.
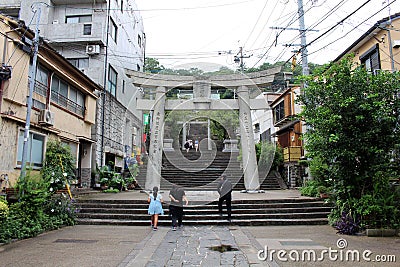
(34, 157)
(122, 6)
(279, 111)
(67, 96)
(87, 29)
(137, 67)
(370, 59)
(78, 19)
(113, 30)
(256, 127)
(123, 86)
(73, 147)
(41, 81)
(80, 63)
(112, 81)
(139, 40)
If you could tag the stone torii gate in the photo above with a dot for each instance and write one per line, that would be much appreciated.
(243, 85)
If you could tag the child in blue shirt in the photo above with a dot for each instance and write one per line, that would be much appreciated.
(155, 207)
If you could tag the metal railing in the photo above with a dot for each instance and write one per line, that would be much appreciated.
(67, 103)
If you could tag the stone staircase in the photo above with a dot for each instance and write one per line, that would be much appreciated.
(244, 212)
(200, 171)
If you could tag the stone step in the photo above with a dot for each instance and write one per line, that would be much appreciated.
(244, 212)
(198, 203)
(188, 211)
(238, 208)
(240, 222)
(206, 217)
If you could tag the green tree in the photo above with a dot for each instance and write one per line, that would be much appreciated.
(152, 65)
(353, 119)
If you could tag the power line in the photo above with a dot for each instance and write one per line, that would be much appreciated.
(355, 27)
(294, 19)
(340, 22)
(258, 19)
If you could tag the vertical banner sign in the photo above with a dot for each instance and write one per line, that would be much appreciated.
(146, 119)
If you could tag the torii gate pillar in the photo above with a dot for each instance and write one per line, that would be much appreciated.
(251, 179)
(153, 176)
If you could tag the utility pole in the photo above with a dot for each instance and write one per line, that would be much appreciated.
(388, 28)
(32, 78)
(239, 58)
(304, 52)
(303, 41)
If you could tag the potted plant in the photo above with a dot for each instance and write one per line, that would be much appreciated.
(105, 176)
(117, 182)
(130, 182)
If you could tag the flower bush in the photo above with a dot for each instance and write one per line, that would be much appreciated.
(347, 224)
(3, 209)
(39, 208)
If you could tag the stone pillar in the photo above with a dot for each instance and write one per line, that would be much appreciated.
(251, 178)
(183, 135)
(153, 176)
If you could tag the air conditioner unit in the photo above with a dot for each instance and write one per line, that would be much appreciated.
(93, 49)
(55, 21)
(46, 117)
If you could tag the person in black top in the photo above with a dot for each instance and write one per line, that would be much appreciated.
(225, 194)
(177, 196)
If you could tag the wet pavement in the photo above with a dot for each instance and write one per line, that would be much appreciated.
(226, 245)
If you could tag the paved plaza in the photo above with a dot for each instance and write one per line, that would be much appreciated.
(225, 245)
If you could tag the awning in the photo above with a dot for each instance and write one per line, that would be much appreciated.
(286, 127)
(83, 138)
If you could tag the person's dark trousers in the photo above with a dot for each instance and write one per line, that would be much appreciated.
(174, 215)
(228, 199)
(179, 211)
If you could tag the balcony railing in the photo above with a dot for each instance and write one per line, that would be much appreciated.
(40, 88)
(68, 104)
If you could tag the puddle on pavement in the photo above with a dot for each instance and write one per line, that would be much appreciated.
(223, 248)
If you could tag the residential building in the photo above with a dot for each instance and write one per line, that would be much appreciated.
(101, 38)
(284, 110)
(64, 104)
(379, 47)
(263, 123)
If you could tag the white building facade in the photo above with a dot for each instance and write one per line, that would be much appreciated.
(102, 38)
(263, 120)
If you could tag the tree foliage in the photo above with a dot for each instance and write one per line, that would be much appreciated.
(353, 129)
(152, 65)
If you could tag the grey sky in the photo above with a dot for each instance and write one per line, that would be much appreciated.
(187, 32)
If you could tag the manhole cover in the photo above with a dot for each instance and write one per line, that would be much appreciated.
(85, 241)
(223, 248)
